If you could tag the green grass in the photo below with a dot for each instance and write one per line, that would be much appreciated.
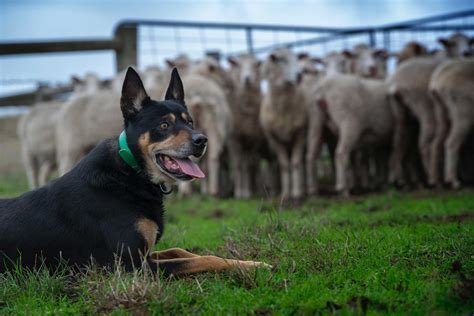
(389, 253)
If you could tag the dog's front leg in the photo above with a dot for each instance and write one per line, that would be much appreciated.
(172, 253)
(199, 264)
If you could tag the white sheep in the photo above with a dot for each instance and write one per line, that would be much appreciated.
(408, 93)
(452, 86)
(247, 139)
(36, 131)
(283, 117)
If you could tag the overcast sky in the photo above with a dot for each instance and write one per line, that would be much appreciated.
(22, 20)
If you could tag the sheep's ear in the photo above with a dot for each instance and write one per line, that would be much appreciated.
(76, 80)
(233, 62)
(273, 57)
(381, 53)
(303, 56)
(170, 63)
(348, 54)
(445, 42)
(133, 94)
(418, 49)
(175, 90)
(106, 83)
(258, 63)
(317, 60)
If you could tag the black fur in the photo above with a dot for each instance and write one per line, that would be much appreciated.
(92, 210)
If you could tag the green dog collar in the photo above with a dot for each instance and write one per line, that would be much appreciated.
(126, 153)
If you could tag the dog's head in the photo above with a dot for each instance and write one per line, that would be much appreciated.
(160, 134)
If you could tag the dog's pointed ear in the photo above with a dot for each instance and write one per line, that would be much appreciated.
(175, 89)
(133, 94)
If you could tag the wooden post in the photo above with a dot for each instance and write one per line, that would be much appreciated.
(126, 53)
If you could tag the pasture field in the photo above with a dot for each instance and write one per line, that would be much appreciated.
(388, 253)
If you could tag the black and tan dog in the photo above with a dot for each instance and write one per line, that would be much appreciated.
(111, 203)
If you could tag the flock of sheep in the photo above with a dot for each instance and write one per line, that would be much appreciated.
(271, 136)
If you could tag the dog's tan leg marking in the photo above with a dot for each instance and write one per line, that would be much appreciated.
(172, 253)
(185, 266)
(149, 230)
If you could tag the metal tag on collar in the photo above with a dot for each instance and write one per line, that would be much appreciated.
(164, 190)
(125, 153)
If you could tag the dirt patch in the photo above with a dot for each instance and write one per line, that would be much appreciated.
(378, 208)
(216, 214)
(445, 218)
(458, 218)
(357, 303)
(464, 287)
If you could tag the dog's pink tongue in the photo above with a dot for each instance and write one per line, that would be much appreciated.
(190, 168)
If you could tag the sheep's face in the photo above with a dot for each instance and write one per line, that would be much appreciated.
(458, 45)
(411, 49)
(246, 70)
(182, 62)
(210, 68)
(370, 63)
(337, 63)
(307, 65)
(282, 68)
(153, 77)
(89, 85)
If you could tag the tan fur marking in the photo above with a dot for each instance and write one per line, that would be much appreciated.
(172, 253)
(183, 266)
(171, 142)
(149, 230)
(185, 116)
(170, 117)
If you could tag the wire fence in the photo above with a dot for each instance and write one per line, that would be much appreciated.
(161, 40)
(158, 40)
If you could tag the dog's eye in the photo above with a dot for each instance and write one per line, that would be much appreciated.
(164, 125)
(191, 124)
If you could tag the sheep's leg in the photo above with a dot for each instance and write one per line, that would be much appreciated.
(348, 136)
(314, 140)
(204, 183)
(236, 162)
(381, 167)
(297, 167)
(214, 166)
(44, 172)
(424, 141)
(398, 148)
(246, 178)
(213, 163)
(457, 135)
(436, 149)
(31, 168)
(284, 164)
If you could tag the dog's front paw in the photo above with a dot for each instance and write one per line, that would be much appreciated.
(257, 264)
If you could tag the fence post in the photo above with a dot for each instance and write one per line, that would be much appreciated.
(372, 39)
(126, 53)
(386, 40)
(248, 33)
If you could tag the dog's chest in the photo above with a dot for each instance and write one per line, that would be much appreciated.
(148, 229)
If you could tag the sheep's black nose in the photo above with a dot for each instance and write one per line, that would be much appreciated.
(199, 140)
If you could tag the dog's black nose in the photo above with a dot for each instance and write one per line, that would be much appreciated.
(199, 140)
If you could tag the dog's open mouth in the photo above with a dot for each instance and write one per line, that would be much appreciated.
(179, 168)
